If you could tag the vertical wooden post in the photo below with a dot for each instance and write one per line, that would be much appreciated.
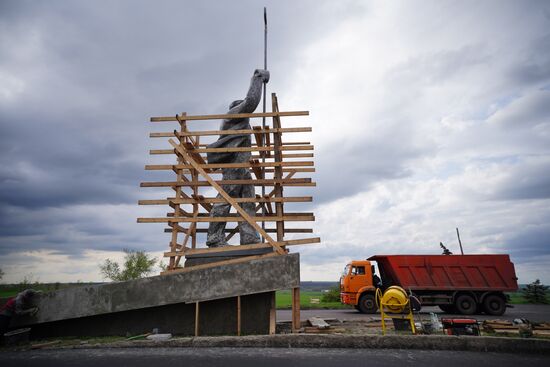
(178, 189)
(195, 178)
(296, 309)
(272, 315)
(278, 175)
(238, 315)
(196, 318)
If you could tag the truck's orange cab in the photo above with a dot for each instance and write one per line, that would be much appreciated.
(356, 286)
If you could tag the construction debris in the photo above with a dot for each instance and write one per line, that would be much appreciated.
(318, 322)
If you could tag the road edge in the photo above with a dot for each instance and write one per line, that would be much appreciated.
(420, 342)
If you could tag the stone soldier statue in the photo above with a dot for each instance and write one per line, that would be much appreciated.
(248, 234)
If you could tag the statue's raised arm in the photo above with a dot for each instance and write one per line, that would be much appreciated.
(254, 95)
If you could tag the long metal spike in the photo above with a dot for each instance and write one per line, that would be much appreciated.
(264, 107)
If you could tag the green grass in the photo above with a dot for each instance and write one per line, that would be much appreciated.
(516, 298)
(284, 301)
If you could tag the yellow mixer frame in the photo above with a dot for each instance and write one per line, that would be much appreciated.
(394, 303)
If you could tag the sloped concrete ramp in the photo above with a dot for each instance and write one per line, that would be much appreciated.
(168, 302)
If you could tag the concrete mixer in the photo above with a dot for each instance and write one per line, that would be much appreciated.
(395, 303)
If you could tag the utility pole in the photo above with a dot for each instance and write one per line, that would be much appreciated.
(459, 242)
(264, 104)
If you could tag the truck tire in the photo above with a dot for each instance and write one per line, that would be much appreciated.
(448, 308)
(367, 304)
(494, 305)
(466, 304)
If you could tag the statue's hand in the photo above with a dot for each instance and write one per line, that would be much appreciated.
(263, 74)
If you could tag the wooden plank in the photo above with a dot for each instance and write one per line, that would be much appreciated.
(220, 263)
(238, 315)
(173, 262)
(231, 215)
(237, 149)
(160, 167)
(303, 241)
(229, 116)
(229, 199)
(265, 131)
(197, 319)
(252, 149)
(272, 315)
(296, 324)
(286, 155)
(255, 182)
(203, 200)
(289, 218)
(253, 163)
(236, 229)
(278, 189)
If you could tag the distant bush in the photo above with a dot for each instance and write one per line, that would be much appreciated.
(333, 295)
(137, 264)
(535, 292)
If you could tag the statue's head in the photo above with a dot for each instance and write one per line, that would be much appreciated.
(235, 103)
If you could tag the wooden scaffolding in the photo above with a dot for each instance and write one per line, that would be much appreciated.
(274, 164)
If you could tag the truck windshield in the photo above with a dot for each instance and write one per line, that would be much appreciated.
(346, 270)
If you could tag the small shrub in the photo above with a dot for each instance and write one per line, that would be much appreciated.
(333, 295)
(535, 292)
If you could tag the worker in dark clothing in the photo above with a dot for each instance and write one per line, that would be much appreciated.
(20, 305)
(376, 281)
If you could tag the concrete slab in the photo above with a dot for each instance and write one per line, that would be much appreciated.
(257, 276)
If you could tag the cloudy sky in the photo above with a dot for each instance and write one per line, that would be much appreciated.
(426, 116)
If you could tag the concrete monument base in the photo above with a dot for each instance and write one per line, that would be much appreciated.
(168, 302)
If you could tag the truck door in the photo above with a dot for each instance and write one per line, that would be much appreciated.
(359, 277)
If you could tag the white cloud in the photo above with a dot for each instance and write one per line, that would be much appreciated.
(426, 116)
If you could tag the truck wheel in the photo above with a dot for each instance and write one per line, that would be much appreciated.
(465, 304)
(367, 304)
(448, 308)
(494, 305)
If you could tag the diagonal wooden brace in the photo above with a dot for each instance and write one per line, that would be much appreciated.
(227, 197)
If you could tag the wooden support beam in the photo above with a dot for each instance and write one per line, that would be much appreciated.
(202, 200)
(197, 318)
(221, 263)
(266, 131)
(252, 149)
(303, 241)
(272, 315)
(267, 218)
(237, 149)
(253, 163)
(238, 315)
(256, 182)
(229, 199)
(296, 325)
(229, 116)
(236, 229)
(232, 215)
(286, 155)
(278, 189)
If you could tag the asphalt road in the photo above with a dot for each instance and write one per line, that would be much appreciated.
(534, 313)
(266, 357)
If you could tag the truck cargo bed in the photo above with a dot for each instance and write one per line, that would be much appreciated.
(448, 272)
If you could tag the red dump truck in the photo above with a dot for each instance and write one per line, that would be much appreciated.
(465, 284)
